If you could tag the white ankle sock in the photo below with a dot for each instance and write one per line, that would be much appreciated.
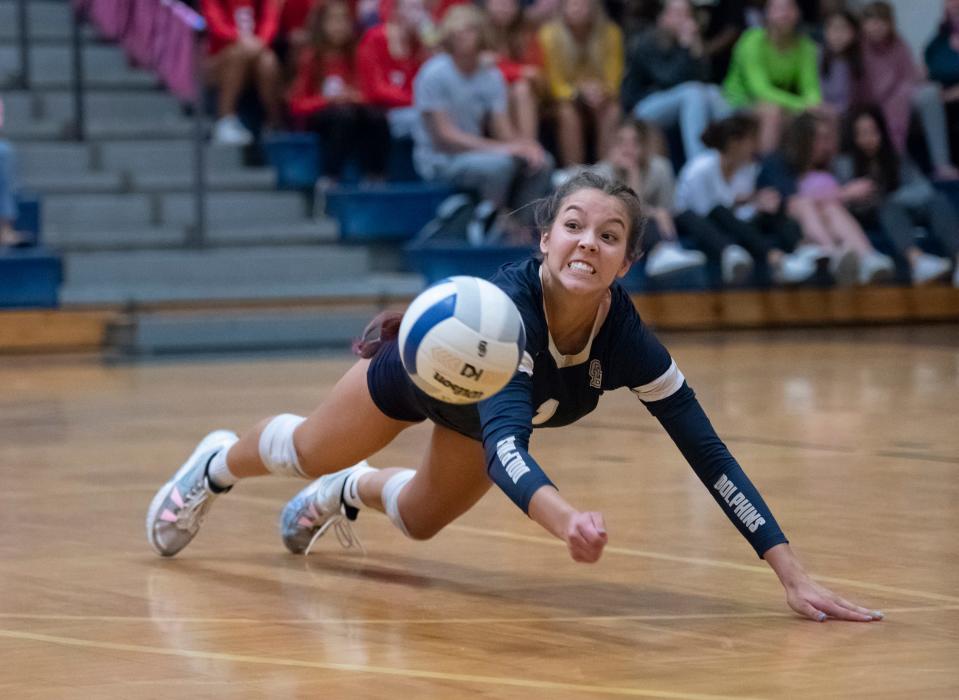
(219, 471)
(351, 491)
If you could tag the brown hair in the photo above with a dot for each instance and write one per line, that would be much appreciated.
(548, 208)
(739, 126)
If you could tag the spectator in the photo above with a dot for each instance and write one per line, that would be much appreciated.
(326, 97)
(840, 64)
(722, 22)
(292, 34)
(891, 194)
(583, 53)
(802, 175)
(632, 160)
(894, 82)
(665, 77)
(520, 60)
(942, 60)
(388, 58)
(774, 71)
(9, 236)
(457, 95)
(720, 186)
(240, 33)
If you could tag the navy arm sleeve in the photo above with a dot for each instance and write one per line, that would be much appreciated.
(686, 422)
(506, 421)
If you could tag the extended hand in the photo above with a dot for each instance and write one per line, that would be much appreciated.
(586, 536)
(817, 602)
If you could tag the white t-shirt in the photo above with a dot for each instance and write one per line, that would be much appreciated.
(702, 187)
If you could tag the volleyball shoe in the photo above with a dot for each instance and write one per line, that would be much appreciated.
(179, 507)
(321, 506)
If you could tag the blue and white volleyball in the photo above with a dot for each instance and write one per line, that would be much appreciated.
(461, 340)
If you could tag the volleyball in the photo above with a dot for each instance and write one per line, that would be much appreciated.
(461, 340)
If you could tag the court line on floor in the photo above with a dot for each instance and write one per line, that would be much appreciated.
(307, 621)
(361, 668)
(715, 563)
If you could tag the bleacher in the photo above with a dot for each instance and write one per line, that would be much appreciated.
(112, 217)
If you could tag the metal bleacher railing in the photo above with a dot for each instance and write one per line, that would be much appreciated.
(162, 36)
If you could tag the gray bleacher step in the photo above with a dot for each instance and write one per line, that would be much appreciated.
(51, 66)
(113, 105)
(82, 212)
(323, 230)
(35, 130)
(61, 159)
(372, 287)
(77, 183)
(150, 156)
(216, 180)
(118, 130)
(107, 238)
(236, 208)
(45, 20)
(237, 330)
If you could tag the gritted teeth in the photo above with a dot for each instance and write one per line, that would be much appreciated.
(583, 266)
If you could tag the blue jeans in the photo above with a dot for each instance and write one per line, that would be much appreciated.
(8, 207)
(692, 105)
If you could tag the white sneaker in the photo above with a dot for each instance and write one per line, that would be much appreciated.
(794, 268)
(229, 130)
(875, 267)
(319, 506)
(811, 251)
(179, 507)
(928, 268)
(668, 257)
(736, 264)
(844, 267)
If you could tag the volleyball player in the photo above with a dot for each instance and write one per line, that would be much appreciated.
(583, 337)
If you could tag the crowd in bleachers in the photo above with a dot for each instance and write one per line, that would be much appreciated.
(800, 137)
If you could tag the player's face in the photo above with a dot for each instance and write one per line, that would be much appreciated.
(585, 248)
(866, 135)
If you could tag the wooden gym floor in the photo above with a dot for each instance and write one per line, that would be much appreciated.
(852, 436)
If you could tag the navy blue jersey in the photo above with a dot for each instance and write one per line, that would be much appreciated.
(551, 390)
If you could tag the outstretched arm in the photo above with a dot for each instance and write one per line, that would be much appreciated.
(507, 423)
(686, 422)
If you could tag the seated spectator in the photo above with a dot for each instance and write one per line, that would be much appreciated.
(719, 185)
(774, 71)
(632, 161)
(665, 77)
(894, 82)
(520, 60)
(942, 60)
(240, 33)
(840, 64)
(457, 95)
(387, 60)
(9, 236)
(892, 194)
(802, 176)
(722, 23)
(583, 54)
(326, 97)
(292, 34)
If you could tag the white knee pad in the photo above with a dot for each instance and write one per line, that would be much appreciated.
(391, 498)
(276, 446)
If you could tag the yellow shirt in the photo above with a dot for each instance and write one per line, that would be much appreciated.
(562, 84)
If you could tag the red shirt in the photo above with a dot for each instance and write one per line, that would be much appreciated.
(512, 69)
(228, 20)
(386, 81)
(293, 15)
(437, 11)
(317, 80)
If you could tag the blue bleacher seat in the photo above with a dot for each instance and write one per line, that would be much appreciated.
(436, 262)
(296, 158)
(389, 212)
(29, 277)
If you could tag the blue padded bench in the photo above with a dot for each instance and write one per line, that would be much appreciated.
(438, 262)
(29, 277)
(297, 158)
(390, 212)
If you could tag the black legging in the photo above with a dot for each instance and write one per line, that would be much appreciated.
(897, 222)
(352, 130)
(721, 228)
